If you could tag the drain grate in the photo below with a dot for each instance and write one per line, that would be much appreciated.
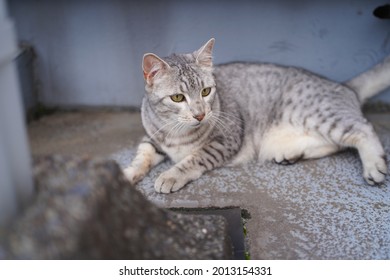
(235, 227)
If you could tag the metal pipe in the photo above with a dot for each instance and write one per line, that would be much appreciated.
(16, 183)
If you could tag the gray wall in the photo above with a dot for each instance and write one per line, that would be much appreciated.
(89, 52)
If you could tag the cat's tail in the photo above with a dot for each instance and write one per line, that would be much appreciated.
(371, 82)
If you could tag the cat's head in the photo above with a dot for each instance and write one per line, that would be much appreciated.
(181, 87)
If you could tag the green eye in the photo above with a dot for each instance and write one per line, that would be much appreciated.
(206, 91)
(177, 97)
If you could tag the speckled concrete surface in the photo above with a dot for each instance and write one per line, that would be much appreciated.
(312, 210)
(320, 209)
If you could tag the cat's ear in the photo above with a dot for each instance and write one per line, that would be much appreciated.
(204, 56)
(151, 65)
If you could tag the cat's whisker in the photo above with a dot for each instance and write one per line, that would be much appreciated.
(219, 125)
(228, 118)
(173, 130)
(165, 125)
(157, 131)
(230, 115)
(178, 129)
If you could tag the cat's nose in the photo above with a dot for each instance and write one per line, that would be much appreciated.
(200, 117)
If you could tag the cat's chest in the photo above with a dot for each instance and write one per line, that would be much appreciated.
(177, 153)
(177, 147)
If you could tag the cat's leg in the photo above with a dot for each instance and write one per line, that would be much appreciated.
(320, 149)
(179, 175)
(286, 144)
(191, 168)
(362, 136)
(146, 158)
(305, 147)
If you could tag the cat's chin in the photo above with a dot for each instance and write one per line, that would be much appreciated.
(191, 126)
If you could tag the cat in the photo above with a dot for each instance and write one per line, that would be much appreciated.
(203, 117)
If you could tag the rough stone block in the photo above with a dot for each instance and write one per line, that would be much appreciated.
(85, 209)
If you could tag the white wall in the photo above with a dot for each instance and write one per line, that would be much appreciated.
(89, 52)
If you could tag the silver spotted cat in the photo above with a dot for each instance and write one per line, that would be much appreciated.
(203, 116)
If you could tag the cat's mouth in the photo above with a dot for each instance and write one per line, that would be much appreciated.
(193, 122)
(195, 125)
(198, 124)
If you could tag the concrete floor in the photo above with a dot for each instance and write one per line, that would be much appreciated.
(319, 209)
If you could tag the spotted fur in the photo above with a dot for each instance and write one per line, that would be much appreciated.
(253, 111)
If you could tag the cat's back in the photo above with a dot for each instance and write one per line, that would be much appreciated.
(236, 73)
(262, 84)
(253, 86)
(270, 94)
(239, 74)
(244, 78)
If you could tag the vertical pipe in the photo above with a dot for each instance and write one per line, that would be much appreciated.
(16, 185)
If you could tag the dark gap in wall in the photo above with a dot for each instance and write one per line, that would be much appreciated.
(236, 229)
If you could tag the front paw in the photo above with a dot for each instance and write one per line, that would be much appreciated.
(134, 175)
(169, 181)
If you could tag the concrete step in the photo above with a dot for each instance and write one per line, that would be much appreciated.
(317, 209)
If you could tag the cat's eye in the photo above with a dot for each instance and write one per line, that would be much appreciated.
(206, 91)
(177, 97)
